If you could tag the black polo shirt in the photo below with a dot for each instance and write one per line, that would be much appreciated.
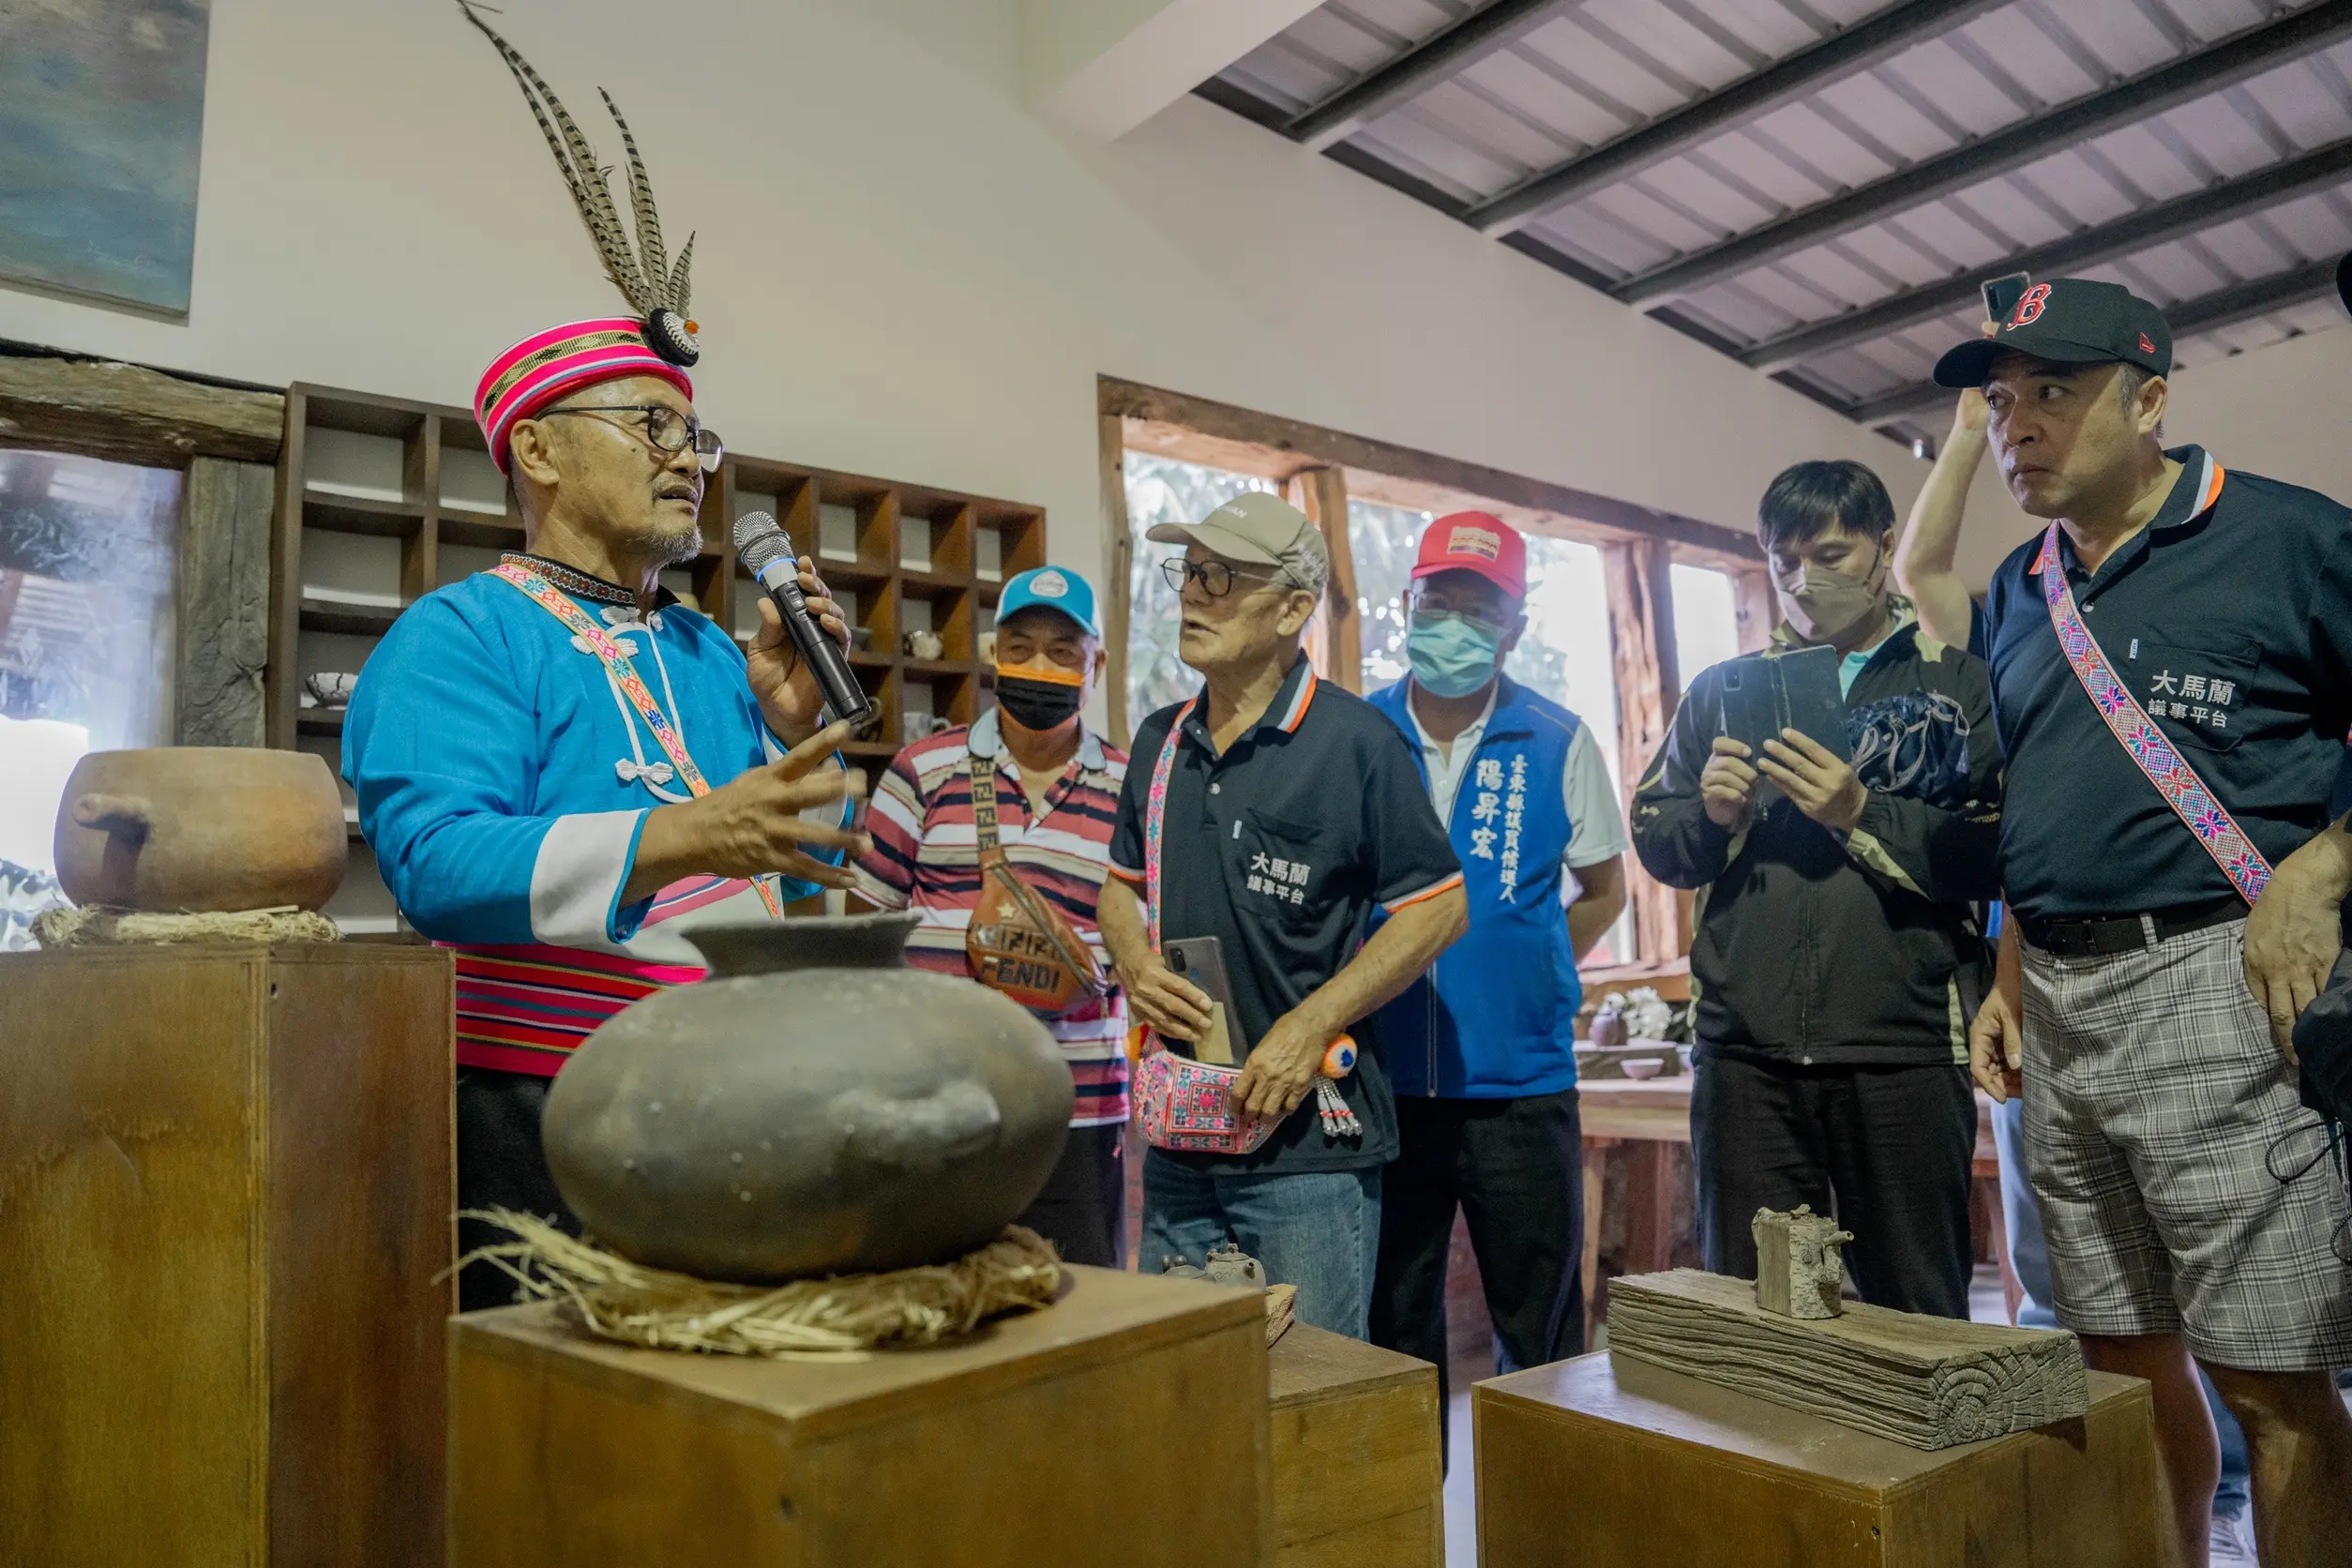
(2229, 619)
(1280, 849)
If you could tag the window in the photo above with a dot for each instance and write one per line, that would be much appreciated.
(86, 566)
(1162, 490)
(1706, 619)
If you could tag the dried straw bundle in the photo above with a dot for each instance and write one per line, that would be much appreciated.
(616, 1299)
(97, 926)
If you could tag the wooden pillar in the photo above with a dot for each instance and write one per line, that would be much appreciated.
(223, 617)
(1648, 685)
(1118, 567)
(1757, 609)
(1322, 495)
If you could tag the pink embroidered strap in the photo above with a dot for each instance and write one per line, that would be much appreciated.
(2155, 753)
(1154, 813)
(616, 663)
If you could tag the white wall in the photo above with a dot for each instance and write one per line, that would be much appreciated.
(902, 272)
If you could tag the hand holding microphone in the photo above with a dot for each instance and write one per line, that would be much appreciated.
(822, 674)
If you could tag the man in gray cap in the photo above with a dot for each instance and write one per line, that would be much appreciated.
(1281, 818)
(2172, 679)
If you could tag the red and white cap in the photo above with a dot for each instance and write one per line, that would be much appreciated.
(548, 366)
(1475, 542)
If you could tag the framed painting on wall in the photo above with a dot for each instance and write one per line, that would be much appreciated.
(101, 121)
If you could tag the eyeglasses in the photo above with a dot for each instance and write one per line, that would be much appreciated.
(667, 430)
(1215, 577)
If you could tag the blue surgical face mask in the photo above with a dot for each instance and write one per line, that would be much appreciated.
(1452, 656)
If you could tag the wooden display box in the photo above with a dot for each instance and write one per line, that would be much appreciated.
(1583, 1461)
(1359, 1478)
(1124, 1424)
(226, 1185)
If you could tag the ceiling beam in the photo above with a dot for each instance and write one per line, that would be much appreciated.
(1832, 58)
(2207, 313)
(1102, 68)
(2232, 61)
(1435, 59)
(2322, 169)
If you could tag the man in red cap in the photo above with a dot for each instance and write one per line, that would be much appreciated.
(1483, 1048)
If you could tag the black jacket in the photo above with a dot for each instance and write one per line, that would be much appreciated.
(1813, 948)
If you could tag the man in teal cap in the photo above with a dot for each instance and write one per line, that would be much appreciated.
(1054, 785)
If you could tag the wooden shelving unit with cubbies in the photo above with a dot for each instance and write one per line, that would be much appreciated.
(382, 499)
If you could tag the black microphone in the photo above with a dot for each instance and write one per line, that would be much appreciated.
(767, 554)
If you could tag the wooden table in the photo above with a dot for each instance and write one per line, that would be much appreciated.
(1584, 1461)
(1650, 1117)
(1357, 1478)
(1127, 1423)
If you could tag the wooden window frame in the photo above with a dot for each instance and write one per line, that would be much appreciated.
(1320, 469)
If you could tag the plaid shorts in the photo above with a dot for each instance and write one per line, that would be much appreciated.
(2159, 1121)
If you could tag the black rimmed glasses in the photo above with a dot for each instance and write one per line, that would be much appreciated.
(1216, 578)
(1421, 606)
(667, 430)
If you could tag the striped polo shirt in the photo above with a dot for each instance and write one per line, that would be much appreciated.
(925, 859)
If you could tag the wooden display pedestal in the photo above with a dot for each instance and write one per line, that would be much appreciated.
(1124, 1424)
(1357, 1478)
(225, 1191)
(1636, 1467)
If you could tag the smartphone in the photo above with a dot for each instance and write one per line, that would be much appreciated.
(1812, 702)
(2002, 294)
(1201, 960)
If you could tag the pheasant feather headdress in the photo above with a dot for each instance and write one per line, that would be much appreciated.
(659, 341)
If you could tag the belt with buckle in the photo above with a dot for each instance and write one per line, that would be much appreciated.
(2096, 936)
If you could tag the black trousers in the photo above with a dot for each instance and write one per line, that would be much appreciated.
(1515, 1170)
(1887, 1149)
(1083, 1209)
(501, 1165)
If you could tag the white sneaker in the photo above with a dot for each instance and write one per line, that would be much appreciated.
(2231, 1542)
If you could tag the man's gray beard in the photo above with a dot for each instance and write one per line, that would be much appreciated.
(672, 549)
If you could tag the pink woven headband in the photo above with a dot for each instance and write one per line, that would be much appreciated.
(547, 365)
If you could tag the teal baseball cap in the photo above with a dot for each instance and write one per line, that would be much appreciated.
(1051, 588)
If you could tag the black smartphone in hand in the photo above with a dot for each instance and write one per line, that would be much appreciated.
(2002, 294)
(1201, 960)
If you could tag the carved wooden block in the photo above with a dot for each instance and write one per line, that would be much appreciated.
(1797, 1269)
(1927, 1383)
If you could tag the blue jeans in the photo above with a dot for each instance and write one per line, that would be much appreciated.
(2029, 1257)
(1317, 1229)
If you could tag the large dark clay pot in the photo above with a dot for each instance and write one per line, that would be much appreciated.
(814, 1106)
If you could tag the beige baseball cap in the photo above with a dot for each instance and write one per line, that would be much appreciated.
(1259, 529)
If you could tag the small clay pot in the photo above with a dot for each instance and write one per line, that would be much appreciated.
(812, 1107)
(191, 829)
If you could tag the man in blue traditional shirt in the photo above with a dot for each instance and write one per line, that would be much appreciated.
(560, 767)
(1483, 1048)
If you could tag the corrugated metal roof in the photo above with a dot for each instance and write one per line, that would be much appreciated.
(2247, 88)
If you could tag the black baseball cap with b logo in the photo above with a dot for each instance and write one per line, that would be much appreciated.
(2069, 321)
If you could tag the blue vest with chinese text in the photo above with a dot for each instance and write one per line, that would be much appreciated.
(1495, 1017)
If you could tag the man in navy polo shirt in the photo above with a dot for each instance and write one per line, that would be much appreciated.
(1482, 1050)
(2171, 669)
(1289, 811)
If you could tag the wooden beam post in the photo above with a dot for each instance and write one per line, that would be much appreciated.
(129, 414)
(225, 515)
(1648, 685)
(1118, 567)
(1322, 495)
(1756, 607)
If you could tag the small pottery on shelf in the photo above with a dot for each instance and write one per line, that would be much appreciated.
(328, 688)
(195, 829)
(923, 644)
(815, 1107)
